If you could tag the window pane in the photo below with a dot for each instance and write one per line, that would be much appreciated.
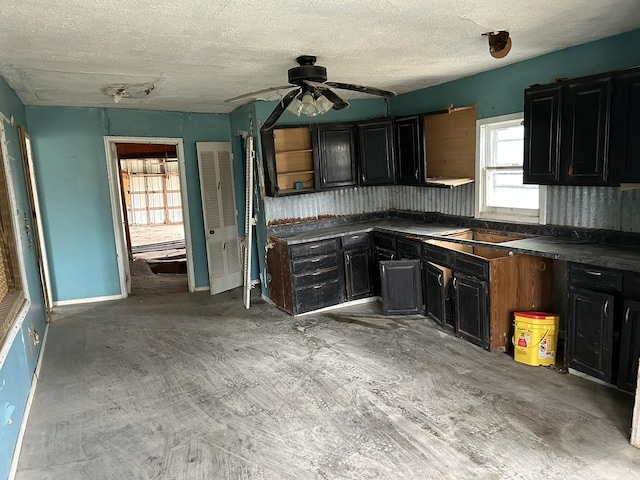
(504, 188)
(507, 146)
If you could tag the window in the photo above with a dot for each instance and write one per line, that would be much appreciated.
(12, 296)
(500, 193)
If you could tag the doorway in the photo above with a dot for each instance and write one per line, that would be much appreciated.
(149, 206)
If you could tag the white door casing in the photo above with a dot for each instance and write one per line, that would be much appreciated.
(215, 166)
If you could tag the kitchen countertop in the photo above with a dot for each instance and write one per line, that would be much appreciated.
(558, 248)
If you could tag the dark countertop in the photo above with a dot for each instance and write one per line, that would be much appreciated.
(579, 251)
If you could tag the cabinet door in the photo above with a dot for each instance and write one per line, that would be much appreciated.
(435, 293)
(471, 309)
(358, 273)
(542, 108)
(401, 287)
(381, 255)
(409, 150)
(590, 332)
(334, 144)
(585, 132)
(629, 347)
(375, 141)
(625, 127)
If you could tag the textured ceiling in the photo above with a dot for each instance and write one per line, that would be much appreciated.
(199, 52)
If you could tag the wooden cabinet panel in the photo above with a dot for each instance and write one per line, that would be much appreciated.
(376, 152)
(409, 150)
(334, 152)
(625, 127)
(590, 332)
(585, 132)
(401, 287)
(629, 347)
(542, 108)
(471, 309)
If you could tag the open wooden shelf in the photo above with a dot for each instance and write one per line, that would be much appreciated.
(294, 159)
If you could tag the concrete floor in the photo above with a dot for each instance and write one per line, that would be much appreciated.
(189, 386)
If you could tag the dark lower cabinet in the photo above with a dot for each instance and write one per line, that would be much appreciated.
(472, 309)
(629, 346)
(435, 294)
(401, 286)
(357, 264)
(590, 332)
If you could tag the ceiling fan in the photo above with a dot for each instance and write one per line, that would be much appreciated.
(312, 94)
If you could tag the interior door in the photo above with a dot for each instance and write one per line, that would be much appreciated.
(215, 165)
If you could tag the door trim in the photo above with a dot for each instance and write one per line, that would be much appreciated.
(116, 205)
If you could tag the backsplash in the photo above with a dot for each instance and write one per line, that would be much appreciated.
(606, 208)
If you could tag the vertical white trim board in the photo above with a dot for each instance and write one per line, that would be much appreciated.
(116, 204)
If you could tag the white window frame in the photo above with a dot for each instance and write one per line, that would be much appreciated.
(514, 215)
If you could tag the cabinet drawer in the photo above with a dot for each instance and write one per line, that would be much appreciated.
(597, 277)
(313, 248)
(471, 265)
(313, 278)
(356, 240)
(318, 296)
(385, 241)
(631, 286)
(438, 255)
(311, 264)
(408, 249)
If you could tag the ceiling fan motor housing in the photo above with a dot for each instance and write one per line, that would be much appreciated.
(307, 71)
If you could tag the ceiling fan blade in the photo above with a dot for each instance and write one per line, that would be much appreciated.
(361, 88)
(338, 102)
(257, 92)
(279, 110)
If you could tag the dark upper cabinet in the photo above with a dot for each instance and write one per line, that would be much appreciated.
(585, 132)
(335, 153)
(590, 332)
(376, 152)
(625, 127)
(472, 309)
(401, 288)
(629, 346)
(409, 150)
(542, 107)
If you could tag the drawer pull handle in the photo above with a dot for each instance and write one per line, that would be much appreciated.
(455, 282)
(440, 279)
(317, 286)
(591, 272)
(606, 308)
(313, 246)
(314, 260)
(626, 315)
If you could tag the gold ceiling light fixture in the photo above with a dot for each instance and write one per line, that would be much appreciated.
(499, 43)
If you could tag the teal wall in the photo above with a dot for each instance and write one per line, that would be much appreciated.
(501, 91)
(16, 372)
(71, 172)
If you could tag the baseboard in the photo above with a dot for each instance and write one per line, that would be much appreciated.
(27, 408)
(201, 289)
(78, 301)
(340, 305)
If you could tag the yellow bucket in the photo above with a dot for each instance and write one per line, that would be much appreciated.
(535, 338)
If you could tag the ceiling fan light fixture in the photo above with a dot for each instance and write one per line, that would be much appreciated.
(295, 106)
(306, 104)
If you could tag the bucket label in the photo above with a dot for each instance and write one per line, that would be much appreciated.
(524, 340)
(543, 350)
